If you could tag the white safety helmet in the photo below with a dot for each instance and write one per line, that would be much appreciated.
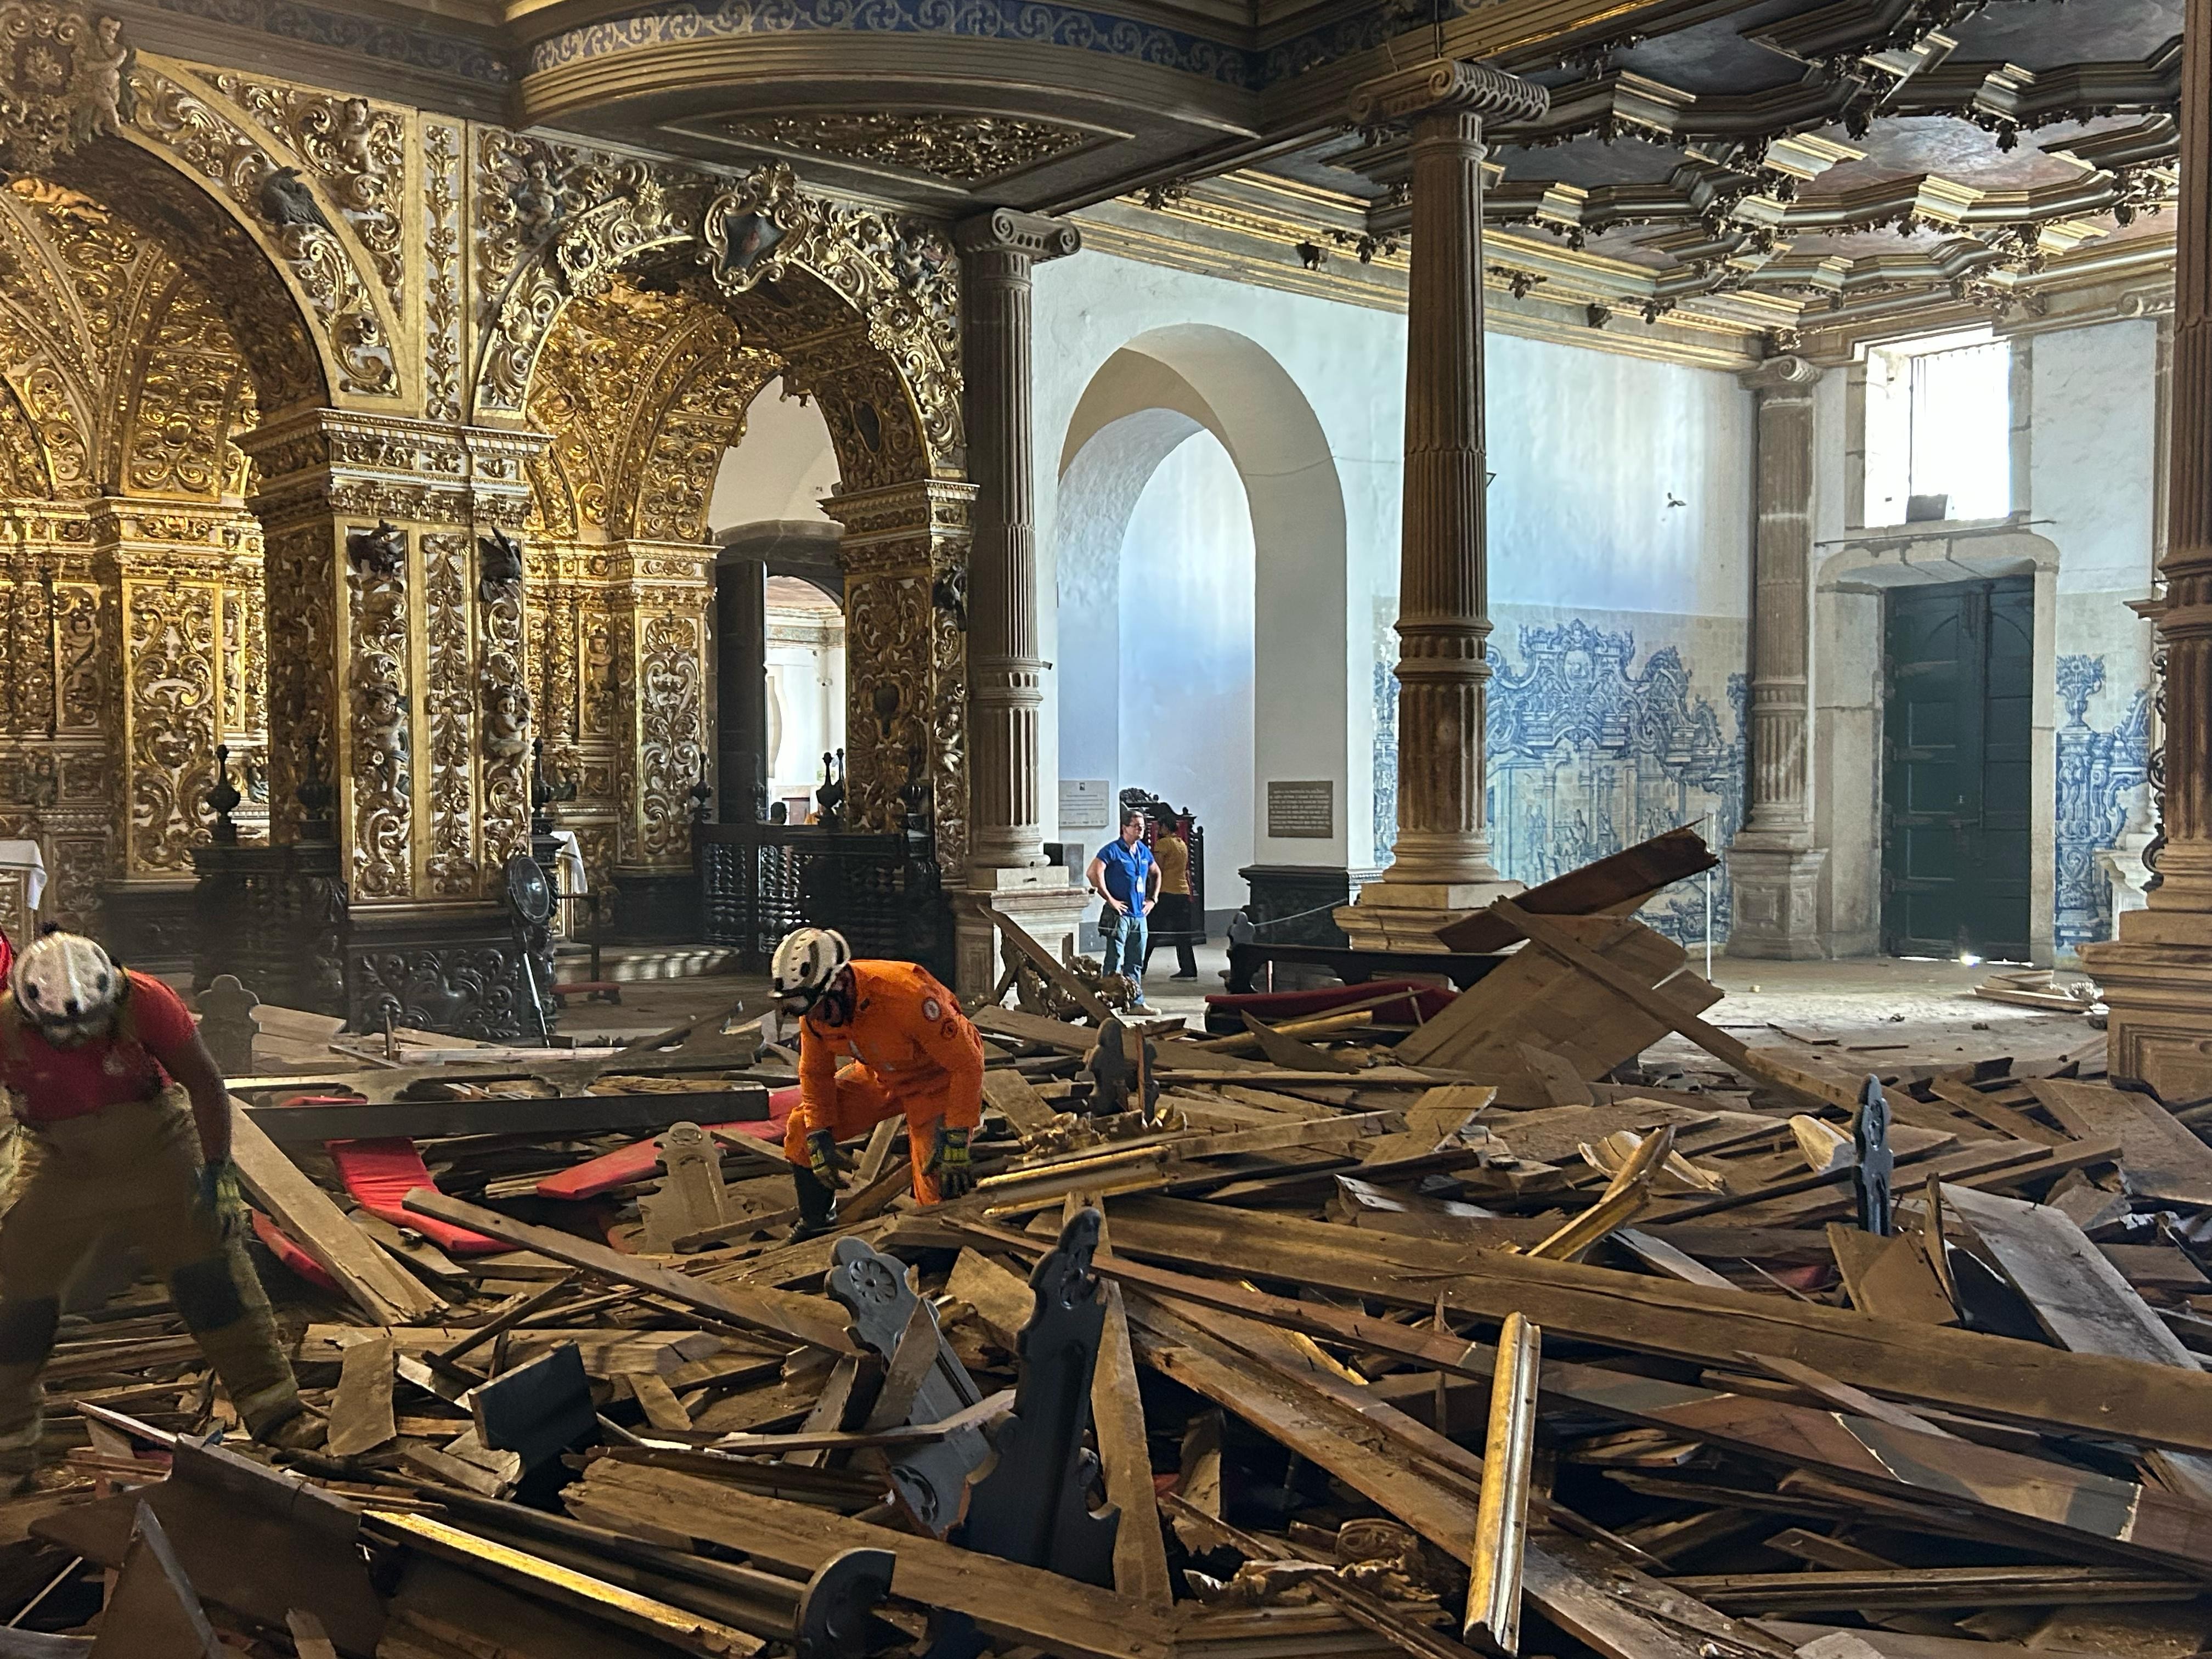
(67, 988)
(805, 964)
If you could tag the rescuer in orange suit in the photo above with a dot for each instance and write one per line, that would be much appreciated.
(916, 1054)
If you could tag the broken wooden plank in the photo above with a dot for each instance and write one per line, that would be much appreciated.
(383, 1290)
(2160, 1158)
(1889, 1277)
(360, 1410)
(1304, 1414)
(1987, 1376)
(1017, 1603)
(1534, 999)
(1620, 881)
(2032, 1493)
(804, 1319)
(1117, 1416)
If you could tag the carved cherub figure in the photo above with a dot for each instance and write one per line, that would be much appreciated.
(104, 98)
(506, 719)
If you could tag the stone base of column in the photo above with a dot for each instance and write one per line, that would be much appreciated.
(1037, 900)
(1404, 915)
(2157, 982)
(1777, 915)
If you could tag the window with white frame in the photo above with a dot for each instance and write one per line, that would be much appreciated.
(1939, 429)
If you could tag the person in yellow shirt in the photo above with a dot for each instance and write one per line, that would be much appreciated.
(1177, 916)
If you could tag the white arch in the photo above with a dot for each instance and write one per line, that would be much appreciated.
(1145, 400)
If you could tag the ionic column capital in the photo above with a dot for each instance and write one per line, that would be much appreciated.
(1448, 86)
(1784, 373)
(1030, 236)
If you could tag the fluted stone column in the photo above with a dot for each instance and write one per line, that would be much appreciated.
(2157, 975)
(1440, 865)
(1772, 861)
(1006, 676)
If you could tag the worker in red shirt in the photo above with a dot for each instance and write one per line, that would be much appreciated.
(109, 1080)
(916, 1054)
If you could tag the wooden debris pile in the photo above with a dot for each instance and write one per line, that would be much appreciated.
(1410, 1325)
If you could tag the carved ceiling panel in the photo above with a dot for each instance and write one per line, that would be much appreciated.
(642, 390)
(1945, 149)
(960, 149)
(127, 368)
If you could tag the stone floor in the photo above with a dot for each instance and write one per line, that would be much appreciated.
(1859, 1011)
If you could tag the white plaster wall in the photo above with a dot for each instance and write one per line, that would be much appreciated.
(1185, 654)
(1348, 365)
(2095, 426)
(2092, 474)
(1588, 449)
(1620, 516)
(806, 700)
(780, 470)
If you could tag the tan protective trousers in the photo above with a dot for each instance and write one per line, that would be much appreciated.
(130, 1172)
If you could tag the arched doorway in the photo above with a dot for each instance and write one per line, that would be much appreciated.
(778, 610)
(695, 301)
(1202, 582)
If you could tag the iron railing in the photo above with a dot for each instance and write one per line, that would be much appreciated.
(881, 891)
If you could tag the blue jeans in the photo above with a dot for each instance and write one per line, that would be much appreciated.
(1125, 945)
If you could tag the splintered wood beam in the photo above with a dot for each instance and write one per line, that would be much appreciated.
(1050, 966)
(1017, 1604)
(1920, 1471)
(810, 1320)
(1117, 1412)
(1557, 941)
(1317, 1417)
(383, 1290)
(1493, 1598)
(1618, 882)
(1624, 1198)
(1981, 1375)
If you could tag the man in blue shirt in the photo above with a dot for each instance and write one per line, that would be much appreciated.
(1125, 876)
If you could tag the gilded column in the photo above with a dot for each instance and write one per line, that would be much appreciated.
(396, 684)
(659, 604)
(1440, 864)
(2157, 975)
(1772, 862)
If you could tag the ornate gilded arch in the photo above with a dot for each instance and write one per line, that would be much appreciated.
(276, 198)
(699, 294)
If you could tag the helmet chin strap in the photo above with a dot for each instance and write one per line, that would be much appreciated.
(835, 1002)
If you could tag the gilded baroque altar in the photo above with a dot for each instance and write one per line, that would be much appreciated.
(373, 447)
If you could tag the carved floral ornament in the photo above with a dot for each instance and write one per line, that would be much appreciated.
(66, 80)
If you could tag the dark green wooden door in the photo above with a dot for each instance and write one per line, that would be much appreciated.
(1955, 812)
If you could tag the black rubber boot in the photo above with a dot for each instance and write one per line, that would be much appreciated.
(817, 1204)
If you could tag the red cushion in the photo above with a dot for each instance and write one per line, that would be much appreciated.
(637, 1161)
(380, 1173)
(282, 1247)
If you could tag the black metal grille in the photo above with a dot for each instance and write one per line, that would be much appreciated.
(881, 890)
